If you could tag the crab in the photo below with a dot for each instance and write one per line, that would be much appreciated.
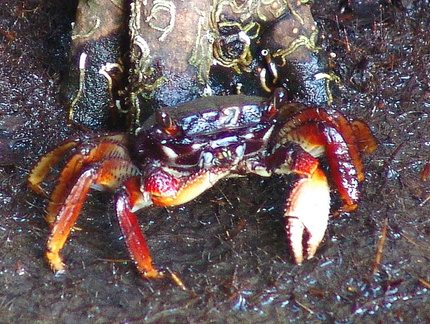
(179, 154)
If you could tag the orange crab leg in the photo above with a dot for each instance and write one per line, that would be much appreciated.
(365, 141)
(52, 158)
(45, 165)
(106, 174)
(73, 168)
(66, 218)
(133, 236)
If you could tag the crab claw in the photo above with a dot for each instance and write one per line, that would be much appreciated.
(307, 214)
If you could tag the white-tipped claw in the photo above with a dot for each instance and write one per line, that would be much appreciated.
(307, 212)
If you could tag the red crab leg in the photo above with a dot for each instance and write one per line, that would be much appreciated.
(319, 136)
(106, 174)
(133, 236)
(331, 118)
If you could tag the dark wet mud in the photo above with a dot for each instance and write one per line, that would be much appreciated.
(228, 246)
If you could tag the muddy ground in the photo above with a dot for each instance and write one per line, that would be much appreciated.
(228, 245)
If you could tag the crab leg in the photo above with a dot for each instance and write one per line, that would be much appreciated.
(105, 174)
(88, 154)
(318, 138)
(45, 165)
(133, 236)
(66, 218)
(331, 118)
(51, 159)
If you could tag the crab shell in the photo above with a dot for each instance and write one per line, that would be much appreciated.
(176, 156)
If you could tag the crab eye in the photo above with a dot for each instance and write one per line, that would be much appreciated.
(163, 119)
(265, 52)
(168, 124)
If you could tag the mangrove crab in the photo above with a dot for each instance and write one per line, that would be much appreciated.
(179, 154)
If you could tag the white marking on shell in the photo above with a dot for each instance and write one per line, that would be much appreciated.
(196, 146)
(230, 116)
(171, 154)
(240, 151)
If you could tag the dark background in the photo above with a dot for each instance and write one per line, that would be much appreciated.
(228, 246)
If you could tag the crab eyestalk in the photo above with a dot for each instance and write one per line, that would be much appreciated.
(168, 124)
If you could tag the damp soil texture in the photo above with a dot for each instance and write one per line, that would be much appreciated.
(228, 245)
